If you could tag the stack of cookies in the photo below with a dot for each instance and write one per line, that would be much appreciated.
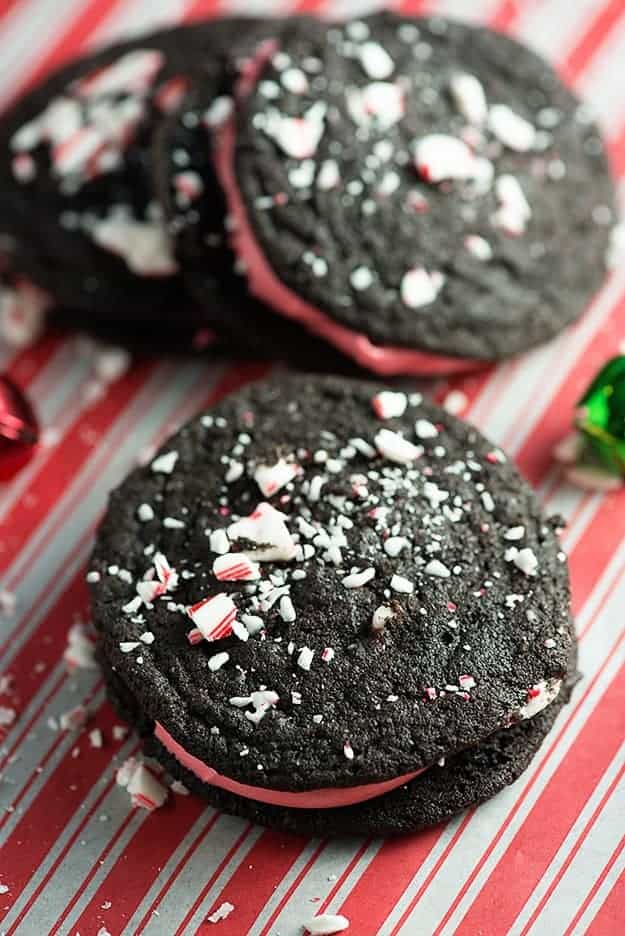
(325, 605)
(408, 196)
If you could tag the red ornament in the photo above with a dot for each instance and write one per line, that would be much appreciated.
(19, 431)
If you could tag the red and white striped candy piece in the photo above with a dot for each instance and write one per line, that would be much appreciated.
(539, 697)
(266, 527)
(74, 153)
(272, 478)
(145, 789)
(213, 617)
(165, 573)
(234, 567)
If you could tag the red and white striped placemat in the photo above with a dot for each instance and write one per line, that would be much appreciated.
(547, 856)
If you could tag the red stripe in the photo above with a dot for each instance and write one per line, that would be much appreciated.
(617, 152)
(28, 364)
(182, 929)
(432, 874)
(255, 879)
(594, 36)
(64, 463)
(201, 9)
(54, 806)
(588, 826)
(72, 40)
(506, 15)
(546, 826)
(292, 888)
(6, 7)
(148, 859)
(610, 919)
(596, 886)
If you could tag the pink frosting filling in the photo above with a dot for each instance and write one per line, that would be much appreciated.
(386, 360)
(326, 798)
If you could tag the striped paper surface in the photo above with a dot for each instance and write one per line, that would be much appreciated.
(547, 856)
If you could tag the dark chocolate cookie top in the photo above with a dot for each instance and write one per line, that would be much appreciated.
(324, 583)
(428, 183)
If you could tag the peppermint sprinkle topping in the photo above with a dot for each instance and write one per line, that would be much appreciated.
(514, 211)
(217, 661)
(478, 247)
(402, 585)
(348, 751)
(358, 579)
(381, 616)
(165, 463)
(468, 94)
(376, 61)
(266, 527)
(539, 697)
(437, 569)
(305, 658)
(439, 157)
(524, 559)
(424, 429)
(397, 449)
(213, 617)
(510, 129)
(235, 566)
(272, 478)
(420, 288)
(298, 137)
(388, 405)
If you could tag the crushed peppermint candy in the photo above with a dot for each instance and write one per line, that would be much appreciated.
(265, 527)
(389, 405)
(234, 567)
(223, 910)
(272, 478)
(511, 129)
(420, 287)
(523, 559)
(393, 446)
(305, 658)
(358, 579)
(165, 463)
(213, 617)
(469, 97)
(326, 924)
(439, 157)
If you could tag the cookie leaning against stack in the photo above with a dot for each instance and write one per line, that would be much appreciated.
(333, 608)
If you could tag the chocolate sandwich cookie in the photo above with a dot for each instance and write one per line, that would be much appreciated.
(320, 589)
(425, 195)
(77, 176)
(196, 212)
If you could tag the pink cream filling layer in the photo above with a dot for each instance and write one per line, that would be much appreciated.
(386, 360)
(326, 798)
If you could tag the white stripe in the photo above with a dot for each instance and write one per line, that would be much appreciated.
(133, 17)
(30, 30)
(553, 28)
(606, 886)
(598, 84)
(80, 858)
(213, 892)
(469, 10)
(554, 918)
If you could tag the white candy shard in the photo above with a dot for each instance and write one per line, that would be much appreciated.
(298, 137)
(144, 245)
(265, 527)
(514, 211)
(272, 478)
(326, 924)
(165, 463)
(478, 247)
(235, 566)
(305, 658)
(223, 910)
(523, 559)
(328, 176)
(539, 697)
(437, 569)
(358, 579)
(424, 429)
(381, 102)
(439, 156)
(402, 585)
(375, 60)
(388, 405)
(468, 95)
(511, 129)
(217, 661)
(381, 616)
(420, 287)
(397, 449)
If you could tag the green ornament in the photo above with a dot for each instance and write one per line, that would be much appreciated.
(601, 419)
